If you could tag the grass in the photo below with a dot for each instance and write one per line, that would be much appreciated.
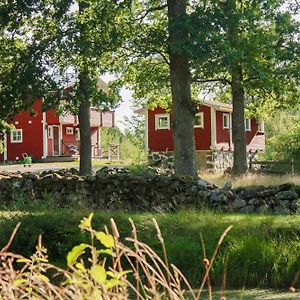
(220, 179)
(262, 251)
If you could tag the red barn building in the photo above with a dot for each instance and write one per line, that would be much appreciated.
(213, 134)
(47, 134)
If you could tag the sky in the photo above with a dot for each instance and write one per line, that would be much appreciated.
(124, 108)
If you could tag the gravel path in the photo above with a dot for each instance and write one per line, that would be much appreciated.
(39, 167)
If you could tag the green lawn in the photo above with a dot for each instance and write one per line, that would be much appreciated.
(262, 251)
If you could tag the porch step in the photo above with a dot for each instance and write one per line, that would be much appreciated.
(60, 158)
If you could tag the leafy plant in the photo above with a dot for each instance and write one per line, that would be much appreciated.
(91, 275)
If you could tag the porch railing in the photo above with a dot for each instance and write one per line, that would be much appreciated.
(73, 148)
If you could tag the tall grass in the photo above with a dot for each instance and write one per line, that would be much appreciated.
(261, 251)
(220, 179)
(149, 276)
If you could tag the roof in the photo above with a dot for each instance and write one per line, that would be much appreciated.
(141, 110)
(216, 104)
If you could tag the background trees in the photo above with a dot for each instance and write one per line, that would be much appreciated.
(167, 51)
(23, 74)
(252, 47)
(159, 70)
(82, 37)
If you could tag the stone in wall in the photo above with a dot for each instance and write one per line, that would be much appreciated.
(118, 189)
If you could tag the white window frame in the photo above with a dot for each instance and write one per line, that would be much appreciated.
(247, 124)
(50, 132)
(70, 130)
(199, 114)
(226, 115)
(157, 117)
(77, 134)
(14, 133)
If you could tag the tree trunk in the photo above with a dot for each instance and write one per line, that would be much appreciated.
(183, 108)
(85, 166)
(238, 122)
(238, 94)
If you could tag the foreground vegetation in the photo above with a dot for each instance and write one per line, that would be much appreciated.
(260, 251)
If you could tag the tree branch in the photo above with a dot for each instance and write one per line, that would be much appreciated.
(152, 9)
(250, 78)
(221, 80)
(164, 57)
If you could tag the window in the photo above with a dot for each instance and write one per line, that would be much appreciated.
(69, 130)
(162, 121)
(50, 132)
(248, 124)
(77, 134)
(16, 136)
(225, 121)
(199, 120)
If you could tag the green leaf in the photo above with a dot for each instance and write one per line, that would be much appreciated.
(98, 273)
(105, 239)
(20, 281)
(75, 253)
(123, 273)
(86, 223)
(23, 260)
(105, 251)
(118, 275)
(80, 266)
(109, 284)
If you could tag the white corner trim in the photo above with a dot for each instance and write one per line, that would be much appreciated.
(5, 147)
(213, 128)
(45, 136)
(230, 132)
(247, 122)
(146, 131)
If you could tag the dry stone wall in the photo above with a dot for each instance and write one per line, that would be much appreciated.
(118, 189)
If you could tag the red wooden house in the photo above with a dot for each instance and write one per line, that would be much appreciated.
(213, 134)
(47, 134)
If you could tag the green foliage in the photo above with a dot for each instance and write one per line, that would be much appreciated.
(82, 37)
(262, 251)
(266, 47)
(89, 277)
(24, 76)
(131, 142)
(283, 136)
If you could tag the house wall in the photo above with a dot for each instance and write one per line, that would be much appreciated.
(107, 119)
(68, 139)
(223, 134)
(32, 143)
(51, 117)
(95, 135)
(161, 139)
(250, 134)
(203, 135)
